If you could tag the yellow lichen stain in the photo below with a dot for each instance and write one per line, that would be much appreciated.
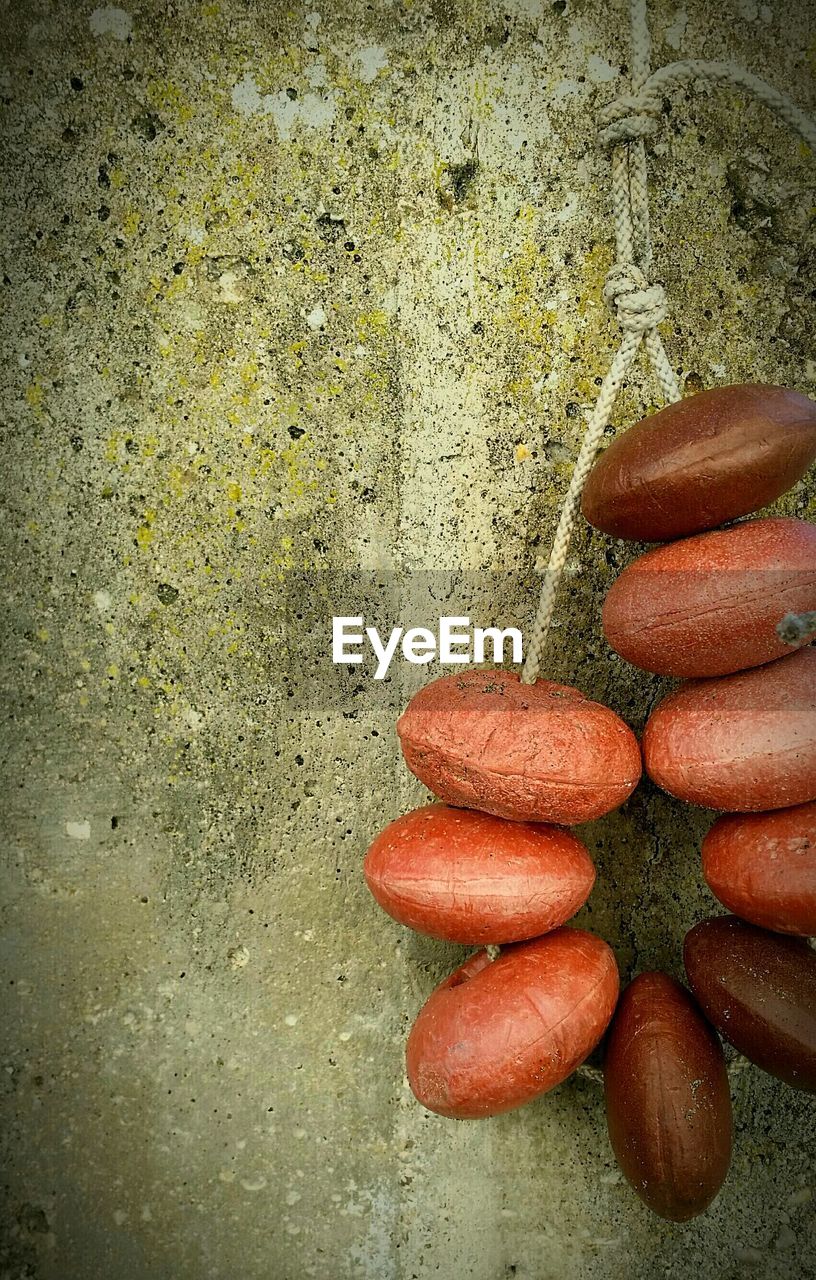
(168, 98)
(169, 290)
(524, 315)
(587, 331)
(179, 480)
(309, 265)
(215, 468)
(131, 222)
(225, 194)
(297, 484)
(595, 267)
(144, 534)
(522, 453)
(290, 59)
(513, 313)
(372, 324)
(193, 254)
(112, 447)
(249, 385)
(43, 635)
(248, 374)
(35, 394)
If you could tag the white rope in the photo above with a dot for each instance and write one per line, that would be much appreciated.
(640, 306)
(637, 115)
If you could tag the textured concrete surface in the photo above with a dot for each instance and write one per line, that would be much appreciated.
(292, 292)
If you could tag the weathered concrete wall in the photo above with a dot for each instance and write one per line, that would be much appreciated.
(313, 287)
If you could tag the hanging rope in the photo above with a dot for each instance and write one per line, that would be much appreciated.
(639, 305)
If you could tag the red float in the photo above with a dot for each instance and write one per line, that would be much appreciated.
(744, 742)
(495, 1035)
(759, 990)
(710, 605)
(702, 462)
(668, 1103)
(532, 753)
(762, 866)
(469, 877)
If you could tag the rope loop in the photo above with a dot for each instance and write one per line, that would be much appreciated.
(634, 116)
(639, 305)
(628, 118)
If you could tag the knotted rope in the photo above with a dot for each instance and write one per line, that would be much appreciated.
(639, 304)
(638, 115)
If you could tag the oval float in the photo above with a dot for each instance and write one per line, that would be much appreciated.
(701, 462)
(496, 1035)
(709, 606)
(762, 866)
(668, 1104)
(532, 753)
(744, 742)
(469, 877)
(759, 991)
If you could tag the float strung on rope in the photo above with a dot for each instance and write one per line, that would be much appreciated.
(742, 742)
(710, 605)
(540, 752)
(701, 462)
(668, 1103)
(762, 866)
(469, 877)
(759, 990)
(497, 1034)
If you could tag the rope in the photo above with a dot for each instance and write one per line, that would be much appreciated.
(640, 306)
(638, 115)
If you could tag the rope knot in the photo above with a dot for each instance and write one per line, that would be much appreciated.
(629, 117)
(639, 305)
